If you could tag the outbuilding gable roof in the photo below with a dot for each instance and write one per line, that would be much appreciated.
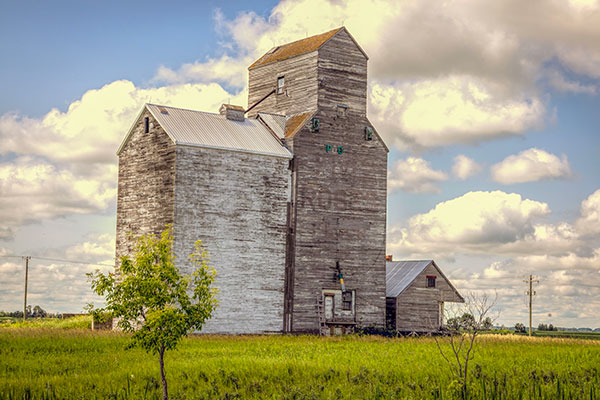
(400, 274)
(202, 129)
(294, 123)
(299, 47)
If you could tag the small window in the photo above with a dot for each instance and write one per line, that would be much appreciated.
(347, 301)
(342, 110)
(280, 84)
(431, 281)
(146, 124)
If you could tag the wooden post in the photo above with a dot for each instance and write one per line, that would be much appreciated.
(530, 300)
(530, 280)
(27, 258)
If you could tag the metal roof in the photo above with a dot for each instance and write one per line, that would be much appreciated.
(400, 274)
(202, 129)
(275, 122)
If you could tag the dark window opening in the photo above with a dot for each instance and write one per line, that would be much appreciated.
(347, 301)
(146, 124)
(280, 84)
(430, 281)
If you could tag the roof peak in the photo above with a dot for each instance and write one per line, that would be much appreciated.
(296, 48)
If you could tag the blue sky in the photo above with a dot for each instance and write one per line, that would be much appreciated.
(491, 115)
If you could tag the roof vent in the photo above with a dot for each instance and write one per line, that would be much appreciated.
(235, 113)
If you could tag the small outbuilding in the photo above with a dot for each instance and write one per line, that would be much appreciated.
(415, 295)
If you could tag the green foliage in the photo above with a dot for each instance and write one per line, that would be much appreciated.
(75, 364)
(545, 327)
(150, 298)
(82, 322)
(520, 328)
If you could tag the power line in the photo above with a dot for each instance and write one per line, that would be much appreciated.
(60, 260)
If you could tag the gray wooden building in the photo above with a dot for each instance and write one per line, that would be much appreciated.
(289, 196)
(221, 178)
(416, 292)
(337, 212)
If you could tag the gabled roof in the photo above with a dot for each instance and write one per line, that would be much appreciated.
(208, 130)
(299, 47)
(294, 123)
(275, 122)
(400, 274)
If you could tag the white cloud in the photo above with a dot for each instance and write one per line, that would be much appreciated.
(99, 248)
(531, 165)
(465, 167)
(469, 73)
(89, 132)
(444, 111)
(55, 285)
(32, 190)
(65, 162)
(480, 222)
(226, 69)
(414, 175)
(589, 221)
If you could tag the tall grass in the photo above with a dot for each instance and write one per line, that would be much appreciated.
(81, 322)
(50, 363)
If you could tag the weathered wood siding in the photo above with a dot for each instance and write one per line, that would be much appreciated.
(300, 90)
(146, 184)
(236, 204)
(342, 74)
(418, 307)
(340, 209)
(338, 212)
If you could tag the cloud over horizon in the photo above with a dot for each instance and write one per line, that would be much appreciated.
(531, 165)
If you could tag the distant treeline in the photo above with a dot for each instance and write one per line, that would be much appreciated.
(35, 312)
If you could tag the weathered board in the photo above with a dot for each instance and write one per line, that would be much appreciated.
(418, 307)
(146, 187)
(300, 89)
(338, 208)
(236, 204)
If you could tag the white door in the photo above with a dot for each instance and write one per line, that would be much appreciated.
(328, 307)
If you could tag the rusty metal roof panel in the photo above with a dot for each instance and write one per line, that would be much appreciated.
(275, 122)
(296, 48)
(202, 129)
(400, 274)
(294, 123)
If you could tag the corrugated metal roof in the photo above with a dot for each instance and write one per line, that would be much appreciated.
(275, 122)
(202, 129)
(400, 274)
(296, 48)
(294, 123)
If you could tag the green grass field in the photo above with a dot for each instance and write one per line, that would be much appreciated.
(80, 364)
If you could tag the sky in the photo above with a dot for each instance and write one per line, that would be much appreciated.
(491, 111)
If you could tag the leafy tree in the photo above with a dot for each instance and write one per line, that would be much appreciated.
(149, 297)
(38, 312)
(542, 327)
(519, 327)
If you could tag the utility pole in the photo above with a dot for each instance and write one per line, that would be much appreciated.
(26, 258)
(531, 293)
